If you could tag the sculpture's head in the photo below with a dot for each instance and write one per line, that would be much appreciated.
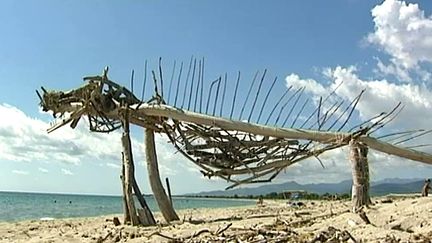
(59, 102)
(97, 98)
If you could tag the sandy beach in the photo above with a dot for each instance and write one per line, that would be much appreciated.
(393, 219)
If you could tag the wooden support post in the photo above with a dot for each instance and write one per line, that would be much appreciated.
(144, 216)
(130, 204)
(161, 197)
(364, 158)
(169, 189)
(360, 172)
(126, 216)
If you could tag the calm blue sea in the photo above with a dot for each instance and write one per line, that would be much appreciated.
(15, 206)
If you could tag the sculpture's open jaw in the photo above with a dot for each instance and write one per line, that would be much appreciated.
(64, 107)
(66, 118)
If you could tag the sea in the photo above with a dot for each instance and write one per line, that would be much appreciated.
(17, 206)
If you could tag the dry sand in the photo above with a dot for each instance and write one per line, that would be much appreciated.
(400, 219)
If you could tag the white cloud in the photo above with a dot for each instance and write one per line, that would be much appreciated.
(66, 172)
(114, 166)
(168, 157)
(404, 32)
(25, 139)
(380, 95)
(309, 84)
(43, 170)
(20, 172)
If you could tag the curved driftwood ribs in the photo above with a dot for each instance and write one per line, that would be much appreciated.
(235, 150)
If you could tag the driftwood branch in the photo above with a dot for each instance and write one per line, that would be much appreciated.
(239, 152)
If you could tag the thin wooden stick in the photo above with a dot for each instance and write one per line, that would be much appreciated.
(171, 82)
(234, 96)
(247, 96)
(186, 84)
(192, 85)
(145, 81)
(265, 99)
(178, 84)
(160, 76)
(223, 95)
(277, 104)
(257, 94)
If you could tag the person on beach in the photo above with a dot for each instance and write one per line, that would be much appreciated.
(426, 188)
(260, 201)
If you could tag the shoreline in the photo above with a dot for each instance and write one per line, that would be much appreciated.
(25, 206)
(157, 214)
(401, 217)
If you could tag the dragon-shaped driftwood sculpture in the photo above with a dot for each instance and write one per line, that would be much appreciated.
(233, 149)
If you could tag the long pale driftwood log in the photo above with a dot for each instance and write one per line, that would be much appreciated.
(153, 173)
(145, 215)
(319, 136)
(146, 110)
(128, 168)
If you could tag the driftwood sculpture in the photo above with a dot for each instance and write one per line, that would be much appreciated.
(220, 145)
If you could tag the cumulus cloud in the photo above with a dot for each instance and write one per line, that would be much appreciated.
(309, 84)
(66, 172)
(381, 95)
(404, 32)
(114, 166)
(25, 139)
(20, 172)
(43, 170)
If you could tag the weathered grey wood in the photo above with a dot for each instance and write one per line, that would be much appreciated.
(188, 116)
(128, 167)
(149, 219)
(360, 188)
(252, 154)
(166, 111)
(145, 216)
(128, 154)
(126, 216)
(364, 150)
(319, 136)
(387, 148)
(156, 185)
(169, 189)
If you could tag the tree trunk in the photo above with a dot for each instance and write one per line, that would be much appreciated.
(156, 185)
(145, 217)
(360, 174)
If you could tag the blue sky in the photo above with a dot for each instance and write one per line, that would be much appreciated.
(382, 46)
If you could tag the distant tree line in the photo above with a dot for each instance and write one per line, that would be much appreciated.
(282, 195)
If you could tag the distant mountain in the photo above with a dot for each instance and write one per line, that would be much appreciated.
(390, 185)
(385, 188)
(397, 181)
